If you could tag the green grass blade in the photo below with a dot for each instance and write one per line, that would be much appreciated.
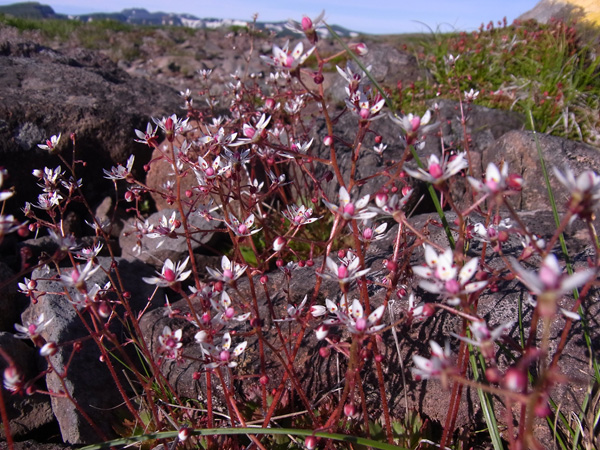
(246, 431)
(486, 401)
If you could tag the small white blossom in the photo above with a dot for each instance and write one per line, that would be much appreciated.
(284, 59)
(221, 354)
(437, 172)
(351, 210)
(170, 273)
(51, 143)
(231, 271)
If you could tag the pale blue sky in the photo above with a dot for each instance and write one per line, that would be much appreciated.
(369, 16)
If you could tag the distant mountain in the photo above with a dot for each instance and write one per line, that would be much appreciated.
(140, 16)
(30, 10)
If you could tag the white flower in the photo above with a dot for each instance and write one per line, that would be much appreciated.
(77, 278)
(299, 215)
(284, 59)
(368, 233)
(253, 133)
(353, 317)
(434, 366)
(388, 206)
(225, 311)
(550, 284)
(356, 78)
(51, 143)
(242, 229)
(437, 171)
(351, 210)
(170, 343)
(120, 172)
(170, 273)
(345, 272)
(471, 95)
(31, 330)
(230, 271)
(148, 137)
(483, 337)
(221, 354)
(444, 277)
(584, 190)
(411, 123)
(294, 312)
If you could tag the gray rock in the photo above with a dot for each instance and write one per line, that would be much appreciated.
(74, 92)
(519, 150)
(26, 413)
(88, 379)
(546, 10)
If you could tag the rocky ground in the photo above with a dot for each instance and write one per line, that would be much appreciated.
(49, 87)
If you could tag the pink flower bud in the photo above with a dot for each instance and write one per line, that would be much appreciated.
(515, 380)
(49, 349)
(104, 310)
(349, 209)
(492, 374)
(322, 331)
(381, 199)
(183, 434)
(169, 126)
(367, 234)
(415, 123)
(328, 140)
(310, 442)
(350, 410)
(249, 132)
(269, 103)
(548, 276)
(436, 170)
(360, 49)
(306, 23)
(364, 113)
(224, 355)
(227, 273)
(452, 287)
(279, 243)
(169, 275)
(361, 324)
(342, 272)
(514, 181)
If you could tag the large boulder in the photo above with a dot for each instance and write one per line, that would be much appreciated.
(44, 92)
(546, 10)
(82, 372)
(518, 149)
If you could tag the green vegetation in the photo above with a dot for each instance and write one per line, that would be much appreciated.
(547, 69)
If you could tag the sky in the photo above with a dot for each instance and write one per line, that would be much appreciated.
(367, 16)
